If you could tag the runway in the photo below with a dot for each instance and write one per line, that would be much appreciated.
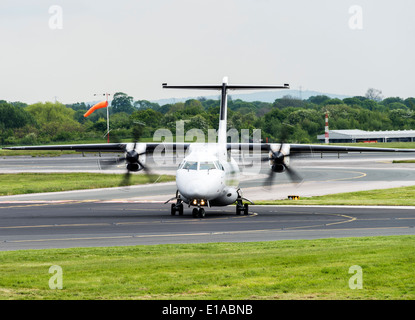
(136, 215)
(121, 223)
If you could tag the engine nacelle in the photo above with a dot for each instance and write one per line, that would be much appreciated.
(135, 157)
(285, 151)
(278, 168)
(133, 167)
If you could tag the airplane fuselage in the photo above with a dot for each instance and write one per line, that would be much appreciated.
(206, 177)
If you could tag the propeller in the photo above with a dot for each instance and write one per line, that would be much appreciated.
(279, 165)
(131, 159)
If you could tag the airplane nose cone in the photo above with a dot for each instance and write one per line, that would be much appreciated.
(198, 185)
(197, 189)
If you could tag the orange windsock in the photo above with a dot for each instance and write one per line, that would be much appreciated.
(102, 104)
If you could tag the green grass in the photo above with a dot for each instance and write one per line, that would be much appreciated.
(403, 161)
(403, 196)
(32, 153)
(294, 269)
(22, 183)
(393, 145)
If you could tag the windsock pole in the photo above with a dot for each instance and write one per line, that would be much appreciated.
(108, 121)
(108, 117)
(326, 129)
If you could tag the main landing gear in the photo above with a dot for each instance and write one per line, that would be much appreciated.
(178, 207)
(242, 208)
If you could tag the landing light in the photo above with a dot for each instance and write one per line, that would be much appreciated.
(199, 202)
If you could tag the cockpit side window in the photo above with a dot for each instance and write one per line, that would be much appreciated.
(219, 165)
(207, 165)
(190, 165)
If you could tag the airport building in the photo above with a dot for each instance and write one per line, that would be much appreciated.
(355, 135)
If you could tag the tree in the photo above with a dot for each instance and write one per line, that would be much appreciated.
(145, 104)
(197, 122)
(410, 103)
(148, 117)
(374, 94)
(390, 100)
(320, 99)
(54, 120)
(122, 103)
(12, 118)
(78, 106)
(193, 107)
(288, 101)
(397, 105)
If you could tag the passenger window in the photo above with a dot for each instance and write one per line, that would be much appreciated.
(206, 165)
(190, 165)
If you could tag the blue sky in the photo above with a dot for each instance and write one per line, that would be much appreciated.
(135, 46)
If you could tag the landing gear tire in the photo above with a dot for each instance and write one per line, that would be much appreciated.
(242, 209)
(198, 213)
(178, 208)
(202, 213)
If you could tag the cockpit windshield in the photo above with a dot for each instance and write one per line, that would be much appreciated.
(190, 165)
(203, 165)
(207, 165)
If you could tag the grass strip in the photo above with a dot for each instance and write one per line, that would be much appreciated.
(33, 153)
(393, 145)
(403, 161)
(292, 269)
(402, 196)
(23, 183)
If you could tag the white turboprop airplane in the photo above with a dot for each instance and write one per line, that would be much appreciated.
(208, 175)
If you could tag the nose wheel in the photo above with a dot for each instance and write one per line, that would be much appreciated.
(198, 213)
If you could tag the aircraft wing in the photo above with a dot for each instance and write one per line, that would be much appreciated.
(106, 147)
(310, 148)
(150, 147)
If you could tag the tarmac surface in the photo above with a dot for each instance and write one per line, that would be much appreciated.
(115, 223)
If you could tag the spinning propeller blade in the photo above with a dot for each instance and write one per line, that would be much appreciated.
(278, 164)
(131, 159)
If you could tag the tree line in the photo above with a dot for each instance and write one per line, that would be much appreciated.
(289, 118)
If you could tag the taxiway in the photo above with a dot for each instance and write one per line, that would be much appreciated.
(121, 223)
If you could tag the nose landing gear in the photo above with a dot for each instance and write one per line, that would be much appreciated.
(198, 213)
